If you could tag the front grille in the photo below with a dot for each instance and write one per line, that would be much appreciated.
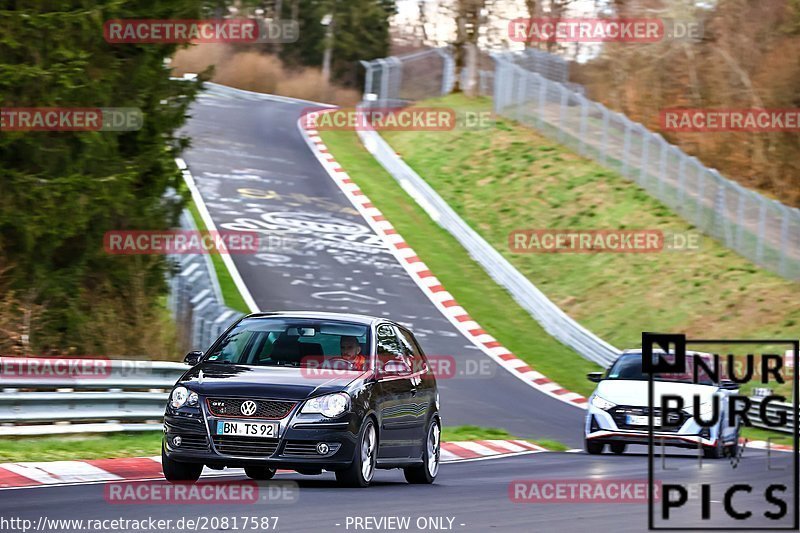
(232, 407)
(245, 446)
(301, 448)
(192, 442)
(620, 412)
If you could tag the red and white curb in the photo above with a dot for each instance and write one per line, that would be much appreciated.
(17, 475)
(425, 279)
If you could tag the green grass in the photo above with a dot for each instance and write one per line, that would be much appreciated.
(70, 447)
(491, 306)
(456, 433)
(753, 433)
(230, 293)
(462, 433)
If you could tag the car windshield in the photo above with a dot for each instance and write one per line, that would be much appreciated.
(629, 366)
(294, 342)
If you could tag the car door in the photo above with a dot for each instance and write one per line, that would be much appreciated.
(423, 392)
(396, 397)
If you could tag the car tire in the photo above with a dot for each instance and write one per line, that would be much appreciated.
(425, 474)
(593, 447)
(176, 472)
(714, 452)
(259, 473)
(360, 472)
(617, 447)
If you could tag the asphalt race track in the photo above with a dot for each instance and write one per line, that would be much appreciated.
(255, 171)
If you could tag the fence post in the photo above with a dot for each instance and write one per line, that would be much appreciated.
(681, 180)
(645, 158)
(448, 70)
(562, 113)
(384, 81)
(397, 79)
(626, 145)
(521, 94)
(584, 120)
(784, 241)
(604, 142)
(700, 194)
(542, 98)
(662, 166)
(762, 226)
(367, 78)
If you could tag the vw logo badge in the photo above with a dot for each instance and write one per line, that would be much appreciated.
(248, 408)
(322, 448)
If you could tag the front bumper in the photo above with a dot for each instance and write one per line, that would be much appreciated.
(295, 448)
(601, 426)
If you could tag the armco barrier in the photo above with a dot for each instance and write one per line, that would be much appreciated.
(128, 396)
(555, 321)
(773, 411)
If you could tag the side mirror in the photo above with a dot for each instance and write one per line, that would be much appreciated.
(192, 358)
(396, 368)
(729, 385)
(597, 377)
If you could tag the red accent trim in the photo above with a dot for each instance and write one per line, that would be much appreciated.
(210, 410)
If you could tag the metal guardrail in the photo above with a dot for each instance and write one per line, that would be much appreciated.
(125, 395)
(555, 321)
(772, 412)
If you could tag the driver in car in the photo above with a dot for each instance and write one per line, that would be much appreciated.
(351, 352)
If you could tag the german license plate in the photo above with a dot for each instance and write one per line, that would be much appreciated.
(636, 420)
(247, 429)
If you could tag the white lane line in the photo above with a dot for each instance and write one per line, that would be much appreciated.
(209, 222)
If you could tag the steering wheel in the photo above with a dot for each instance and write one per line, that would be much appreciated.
(334, 361)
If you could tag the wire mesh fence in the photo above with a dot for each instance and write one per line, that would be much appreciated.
(761, 229)
(407, 78)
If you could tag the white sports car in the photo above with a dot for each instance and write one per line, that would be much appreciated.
(618, 412)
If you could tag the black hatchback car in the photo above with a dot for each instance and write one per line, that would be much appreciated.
(306, 392)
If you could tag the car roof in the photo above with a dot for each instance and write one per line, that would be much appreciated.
(365, 320)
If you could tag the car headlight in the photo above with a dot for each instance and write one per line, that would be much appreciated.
(181, 396)
(330, 405)
(600, 403)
